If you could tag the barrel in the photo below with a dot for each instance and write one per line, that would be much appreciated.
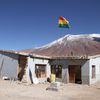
(52, 77)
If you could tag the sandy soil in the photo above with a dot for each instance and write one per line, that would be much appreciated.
(10, 90)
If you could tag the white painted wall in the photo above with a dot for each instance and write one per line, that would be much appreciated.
(31, 67)
(96, 62)
(85, 72)
(8, 65)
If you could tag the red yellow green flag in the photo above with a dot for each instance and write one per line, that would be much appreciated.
(64, 23)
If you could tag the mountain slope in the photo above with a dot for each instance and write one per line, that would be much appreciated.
(70, 45)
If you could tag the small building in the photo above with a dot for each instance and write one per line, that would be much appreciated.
(26, 67)
(82, 70)
(23, 66)
(38, 67)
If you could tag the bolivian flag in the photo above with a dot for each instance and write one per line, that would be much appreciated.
(64, 23)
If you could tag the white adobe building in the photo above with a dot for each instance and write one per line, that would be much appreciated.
(84, 70)
(25, 67)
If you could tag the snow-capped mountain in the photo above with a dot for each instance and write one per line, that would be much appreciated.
(70, 45)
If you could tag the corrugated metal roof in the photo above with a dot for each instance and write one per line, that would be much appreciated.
(23, 53)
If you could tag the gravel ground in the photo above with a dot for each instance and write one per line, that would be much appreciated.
(12, 90)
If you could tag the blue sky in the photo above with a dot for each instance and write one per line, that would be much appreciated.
(33, 23)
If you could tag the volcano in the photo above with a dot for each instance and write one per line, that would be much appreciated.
(70, 45)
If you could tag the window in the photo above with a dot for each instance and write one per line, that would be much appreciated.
(93, 71)
(40, 70)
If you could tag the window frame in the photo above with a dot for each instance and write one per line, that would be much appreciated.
(40, 72)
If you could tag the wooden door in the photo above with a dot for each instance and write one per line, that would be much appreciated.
(71, 74)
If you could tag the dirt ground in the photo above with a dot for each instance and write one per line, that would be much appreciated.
(11, 90)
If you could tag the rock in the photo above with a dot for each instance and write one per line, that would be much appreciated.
(5, 78)
(54, 86)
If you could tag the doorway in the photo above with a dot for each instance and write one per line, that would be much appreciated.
(22, 61)
(74, 74)
(57, 70)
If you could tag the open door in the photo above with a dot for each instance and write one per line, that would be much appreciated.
(57, 70)
(71, 74)
(75, 74)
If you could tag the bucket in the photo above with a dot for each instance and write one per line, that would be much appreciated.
(52, 77)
